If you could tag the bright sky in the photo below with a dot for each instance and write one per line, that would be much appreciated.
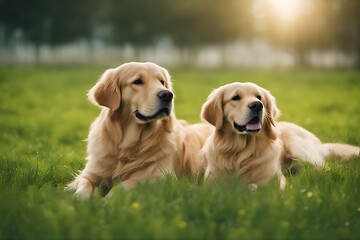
(287, 10)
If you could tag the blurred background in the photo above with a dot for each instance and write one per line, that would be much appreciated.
(200, 33)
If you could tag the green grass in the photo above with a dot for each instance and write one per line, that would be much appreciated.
(45, 116)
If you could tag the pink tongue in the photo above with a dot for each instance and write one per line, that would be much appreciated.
(253, 126)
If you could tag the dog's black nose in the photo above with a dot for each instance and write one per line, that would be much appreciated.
(256, 106)
(165, 95)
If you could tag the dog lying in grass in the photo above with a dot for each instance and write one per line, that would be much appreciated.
(248, 140)
(137, 137)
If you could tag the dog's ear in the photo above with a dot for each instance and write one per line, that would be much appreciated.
(106, 91)
(168, 82)
(212, 110)
(272, 114)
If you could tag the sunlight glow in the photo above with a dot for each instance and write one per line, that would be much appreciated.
(287, 10)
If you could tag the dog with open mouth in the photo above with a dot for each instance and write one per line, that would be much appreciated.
(248, 141)
(136, 137)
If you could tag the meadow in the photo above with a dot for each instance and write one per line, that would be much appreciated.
(44, 121)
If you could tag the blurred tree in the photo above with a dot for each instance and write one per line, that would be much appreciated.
(322, 24)
(345, 26)
(27, 16)
(70, 20)
(48, 22)
(208, 21)
(187, 22)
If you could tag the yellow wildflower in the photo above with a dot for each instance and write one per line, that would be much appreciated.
(285, 224)
(135, 205)
(242, 212)
(182, 224)
(309, 194)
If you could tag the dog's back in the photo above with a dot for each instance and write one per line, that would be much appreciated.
(191, 138)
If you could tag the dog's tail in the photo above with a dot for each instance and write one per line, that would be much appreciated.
(341, 152)
(302, 146)
(314, 152)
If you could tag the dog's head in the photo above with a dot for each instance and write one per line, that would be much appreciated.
(143, 90)
(246, 107)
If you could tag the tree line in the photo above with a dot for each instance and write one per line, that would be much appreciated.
(327, 24)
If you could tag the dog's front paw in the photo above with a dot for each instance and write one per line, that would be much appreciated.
(253, 186)
(83, 193)
(83, 188)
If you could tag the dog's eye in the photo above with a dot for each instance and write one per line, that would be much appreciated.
(138, 82)
(236, 98)
(162, 82)
(258, 97)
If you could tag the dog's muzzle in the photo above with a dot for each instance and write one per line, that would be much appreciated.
(253, 126)
(163, 112)
(165, 98)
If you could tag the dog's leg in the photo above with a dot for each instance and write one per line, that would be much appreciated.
(210, 175)
(207, 173)
(150, 174)
(129, 184)
(252, 186)
(85, 183)
(82, 186)
(282, 181)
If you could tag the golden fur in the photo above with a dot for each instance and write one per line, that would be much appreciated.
(248, 141)
(137, 137)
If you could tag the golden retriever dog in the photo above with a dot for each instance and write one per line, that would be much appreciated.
(248, 141)
(136, 137)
